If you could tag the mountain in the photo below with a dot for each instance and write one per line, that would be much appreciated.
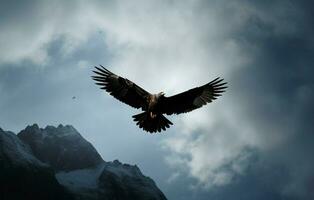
(23, 176)
(111, 180)
(63, 165)
(123, 181)
(63, 148)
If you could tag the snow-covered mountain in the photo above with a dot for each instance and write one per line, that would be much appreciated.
(69, 164)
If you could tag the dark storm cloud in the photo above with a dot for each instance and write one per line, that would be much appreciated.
(279, 82)
(278, 88)
(275, 94)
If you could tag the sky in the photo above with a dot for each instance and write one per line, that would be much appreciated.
(254, 142)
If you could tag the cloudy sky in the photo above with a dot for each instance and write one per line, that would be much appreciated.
(254, 142)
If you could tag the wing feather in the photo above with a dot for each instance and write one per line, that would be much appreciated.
(193, 98)
(120, 88)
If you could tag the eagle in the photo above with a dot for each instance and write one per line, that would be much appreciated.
(156, 105)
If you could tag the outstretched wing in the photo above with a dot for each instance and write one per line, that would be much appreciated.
(121, 88)
(193, 98)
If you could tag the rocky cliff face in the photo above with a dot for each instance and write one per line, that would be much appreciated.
(111, 180)
(23, 176)
(58, 163)
(63, 148)
(123, 181)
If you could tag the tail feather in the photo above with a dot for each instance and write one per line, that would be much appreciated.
(152, 125)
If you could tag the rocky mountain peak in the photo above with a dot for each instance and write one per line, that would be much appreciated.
(22, 175)
(62, 147)
(124, 181)
(58, 163)
(61, 131)
(16, 152)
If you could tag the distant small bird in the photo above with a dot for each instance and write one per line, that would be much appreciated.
(155, 105)
(74, 97)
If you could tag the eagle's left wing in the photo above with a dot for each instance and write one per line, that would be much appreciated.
(193, 98)
(121, 88)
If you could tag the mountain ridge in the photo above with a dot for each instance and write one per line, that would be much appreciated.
(74, 167)
(62, 147)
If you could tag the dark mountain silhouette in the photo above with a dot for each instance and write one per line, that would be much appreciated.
(23, 176)
(58, 163)
(63, 148)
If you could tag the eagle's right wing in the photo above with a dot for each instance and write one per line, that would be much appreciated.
(121, 88)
